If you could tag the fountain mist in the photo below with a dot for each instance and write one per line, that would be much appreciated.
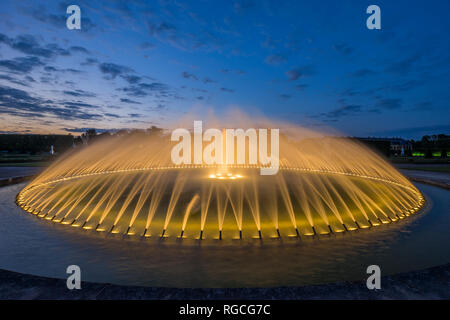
(128, 184)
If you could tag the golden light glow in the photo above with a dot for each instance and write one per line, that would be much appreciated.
(131, 182)
(227, 176)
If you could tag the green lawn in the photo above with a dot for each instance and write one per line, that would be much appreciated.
(24, 160)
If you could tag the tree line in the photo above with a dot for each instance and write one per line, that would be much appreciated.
(428, 146)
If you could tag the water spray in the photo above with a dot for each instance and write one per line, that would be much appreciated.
(135, 179)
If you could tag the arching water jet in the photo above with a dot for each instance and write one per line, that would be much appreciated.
(129, 185)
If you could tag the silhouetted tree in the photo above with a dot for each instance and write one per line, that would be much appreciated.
(154, 131)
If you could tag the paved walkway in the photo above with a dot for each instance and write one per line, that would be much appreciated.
(436, 176)
(432, 283)
(13, 172)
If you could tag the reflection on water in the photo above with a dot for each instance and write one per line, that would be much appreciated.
(35, 246)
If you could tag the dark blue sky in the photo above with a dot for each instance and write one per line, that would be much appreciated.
(314, 63)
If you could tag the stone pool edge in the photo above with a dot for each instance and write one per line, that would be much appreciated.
(430, 283)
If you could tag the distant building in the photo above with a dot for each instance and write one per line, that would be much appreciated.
(389, 146)
(398, 144)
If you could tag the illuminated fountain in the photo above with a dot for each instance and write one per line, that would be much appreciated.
(129, 185)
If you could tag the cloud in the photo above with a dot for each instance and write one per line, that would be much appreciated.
(227, 90)
(301, 87)
(343, 49)
(389, 104)
(228, 71)
(125, 100)
(131, 79)
(207, 80)
(285, 96)
(54, 69)
(188, 75)
(79, 104)
(423, 106)
(269, 43)
(301, 72)
(21, 64)
(184, 38)
(79, 49)
(363, 73)
(243, 6)
(89, 62)
(162, 28)
(14, 80)
(342, 111)
(112, 115)
(275, 59)
(16, 102)
(146, 45)
(29, 79)
(350, 93)
(404, 66)
(143, 89)
(113, 70)
(29, 45)
(396, 87)
(406, 86)
(79, 93)
(58, 20)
